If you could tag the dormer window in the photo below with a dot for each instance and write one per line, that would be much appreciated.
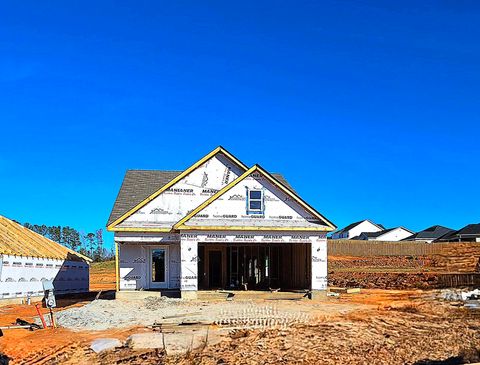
(255, 201)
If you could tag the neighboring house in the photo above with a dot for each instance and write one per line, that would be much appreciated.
(217, 224)
(355, 229)
(391, 234)
(469, 233)
(28, 258)
(429, 234)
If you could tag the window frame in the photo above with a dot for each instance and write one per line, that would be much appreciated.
(251, 210)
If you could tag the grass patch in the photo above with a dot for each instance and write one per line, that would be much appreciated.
(105, 265)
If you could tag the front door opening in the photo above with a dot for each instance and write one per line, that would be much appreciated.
(215, 269)
(158, 268)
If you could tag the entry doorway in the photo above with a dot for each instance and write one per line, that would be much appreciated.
(212, 267)
(215, 269)
(158, 267)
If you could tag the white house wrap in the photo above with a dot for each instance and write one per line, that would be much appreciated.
(27, 259)
(216, 225)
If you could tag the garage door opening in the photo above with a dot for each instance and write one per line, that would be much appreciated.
(285, 266)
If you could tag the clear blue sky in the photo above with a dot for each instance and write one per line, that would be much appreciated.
(369, 108)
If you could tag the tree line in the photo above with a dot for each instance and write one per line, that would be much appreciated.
(90, 244)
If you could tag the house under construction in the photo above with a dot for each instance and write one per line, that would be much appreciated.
(27, 259)
(217, 224)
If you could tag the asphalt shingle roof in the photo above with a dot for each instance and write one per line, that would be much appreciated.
(473, 229)
(430, 233)
(468, 230)
(138, 185)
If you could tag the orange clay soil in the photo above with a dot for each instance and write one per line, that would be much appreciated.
(41, 346)
(102, 276)
(21, 345)
(63, 346)
(24, 346)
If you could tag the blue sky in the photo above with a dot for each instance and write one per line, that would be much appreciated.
(369, 108)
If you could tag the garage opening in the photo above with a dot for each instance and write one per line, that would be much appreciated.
(253, 266)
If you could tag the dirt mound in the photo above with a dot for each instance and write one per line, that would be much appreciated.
(393, 337)
(383, 280)
(377, 262)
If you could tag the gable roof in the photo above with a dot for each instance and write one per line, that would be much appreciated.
(377, 234)
(468, 230)
(18, 240)
(380, 233)
(145, 192)
(138, 185)
(353, 225)
(429, 233)
(272, 179)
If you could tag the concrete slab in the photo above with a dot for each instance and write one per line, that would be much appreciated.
(179, 343)
(150, 340)
(318, 294)
(189, 294)
(136, 294)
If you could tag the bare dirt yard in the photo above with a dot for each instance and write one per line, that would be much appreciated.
(374, 326)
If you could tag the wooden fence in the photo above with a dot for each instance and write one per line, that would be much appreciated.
(404, 248)
(381, 248)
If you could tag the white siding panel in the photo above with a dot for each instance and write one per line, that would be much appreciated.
(22, 276)
(397, 234)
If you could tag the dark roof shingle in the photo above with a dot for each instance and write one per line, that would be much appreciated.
(470, 230)
(430, 233)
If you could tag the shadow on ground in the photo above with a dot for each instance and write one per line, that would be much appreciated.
(4, 359)
(66, 300)
(467, 357)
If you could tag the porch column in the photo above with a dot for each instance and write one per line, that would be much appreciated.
(319, 267)
(188, 266)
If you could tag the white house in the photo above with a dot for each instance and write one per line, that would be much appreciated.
(217, 224)
(27, 259)
(355, 229)
(391, 234)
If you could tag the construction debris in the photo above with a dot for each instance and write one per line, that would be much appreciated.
(20, 324)
(459, 295)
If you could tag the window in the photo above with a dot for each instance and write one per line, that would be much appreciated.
(255, 202)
